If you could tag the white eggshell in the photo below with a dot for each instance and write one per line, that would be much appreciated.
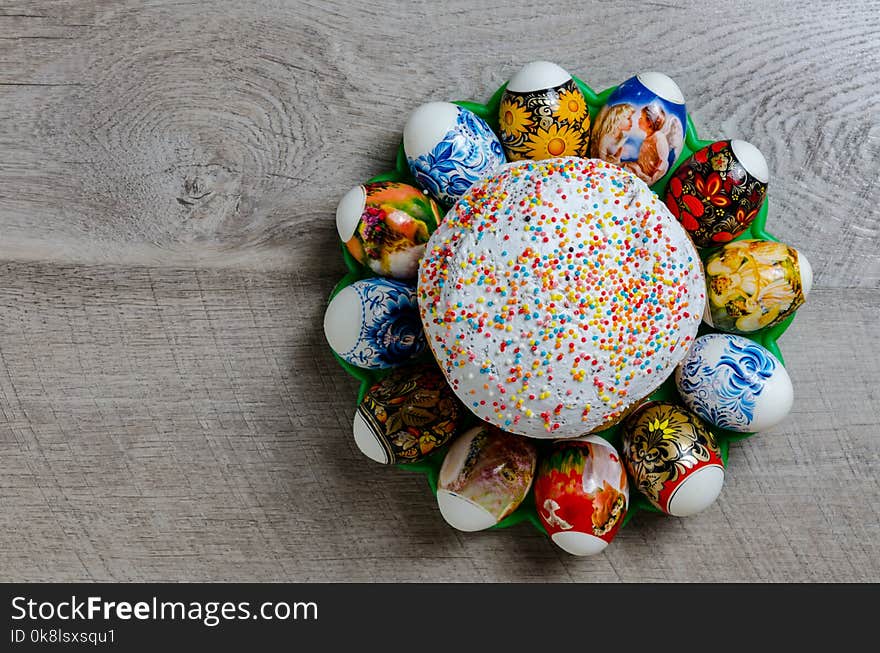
(806, 273)
(579, 544)
(537, 76)
(734, 383)
(366, 440)
(349, 211)
(427, 126)
(343, 319)
(697, 492)
(662, 85)
(751, 159)
(463, 514)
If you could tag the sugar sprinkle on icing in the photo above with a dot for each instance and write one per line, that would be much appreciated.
(556, 293)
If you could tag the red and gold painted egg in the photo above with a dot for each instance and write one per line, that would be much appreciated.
(581, 494)
(718, 191)
(673, 458)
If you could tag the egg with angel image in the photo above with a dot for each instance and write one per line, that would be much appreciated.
(448, 148)
(374, 324)
(581, 494)
(642, 126)
(734, 383)
(385, 226)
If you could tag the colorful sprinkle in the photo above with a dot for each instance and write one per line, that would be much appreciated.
(567, 267)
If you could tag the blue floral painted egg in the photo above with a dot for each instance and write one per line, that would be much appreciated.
(734, 383)
(448, 148)
(374, 324)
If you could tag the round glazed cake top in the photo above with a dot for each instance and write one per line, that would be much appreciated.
(557, 293)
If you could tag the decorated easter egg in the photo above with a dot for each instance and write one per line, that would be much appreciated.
(734, 383)
(543, 114)
(385, 226)
(374, 323)
(673, 458)
(484, 477)
(448, 148)
(406, 416)
(717, 192)
(642, 126)
(753, 284)
(581, 494)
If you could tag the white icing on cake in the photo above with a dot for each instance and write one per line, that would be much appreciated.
(557, 293)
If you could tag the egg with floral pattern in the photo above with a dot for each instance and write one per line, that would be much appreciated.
(448, 148)
(374, 323)
(672, 458)
(734, 383)
(485, 476)
(581, 494)
(385, 226)
(543, 114)
(717, 193)
(407, 416)
(755, 284)
(642, 126)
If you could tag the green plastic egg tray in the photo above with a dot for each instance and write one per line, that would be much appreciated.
(430, 466)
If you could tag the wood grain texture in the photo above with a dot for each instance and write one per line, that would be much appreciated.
(169, 409)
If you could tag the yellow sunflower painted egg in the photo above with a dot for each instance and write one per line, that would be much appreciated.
(543, 114)
(385, 226)
(673, 458)
(753, 284)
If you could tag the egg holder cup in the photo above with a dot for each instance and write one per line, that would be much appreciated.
(526, 511)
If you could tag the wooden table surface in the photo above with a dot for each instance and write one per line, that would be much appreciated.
(169, 171)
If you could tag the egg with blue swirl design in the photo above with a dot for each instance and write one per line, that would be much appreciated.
(374, 324)
(734, 383)
(448, 148)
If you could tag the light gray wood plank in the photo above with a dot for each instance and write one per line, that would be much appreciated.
(168, 175)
